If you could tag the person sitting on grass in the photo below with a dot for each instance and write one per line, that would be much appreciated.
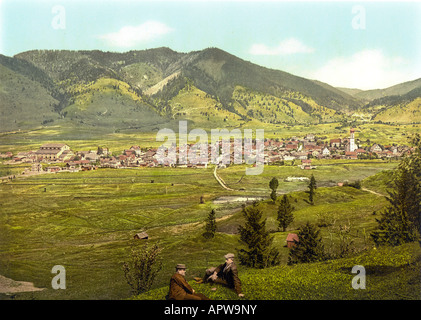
(179, 287)
(225, 274)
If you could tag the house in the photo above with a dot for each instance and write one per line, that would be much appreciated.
(306, 164)
(6, 155)
(326, 152)
(66, 155)
(105, 152)
(291, 146)
(292, 240)
(310, 137)
(92, 156)
(137, 150)
(53, 169)
(335, 143)
(351, 155)
(376, 148)
(315, 153)
(288, 157)
(141, 236)
(301, 155)
(51, 151)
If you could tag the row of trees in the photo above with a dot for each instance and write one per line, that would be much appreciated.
(257, 251)
(312, 186)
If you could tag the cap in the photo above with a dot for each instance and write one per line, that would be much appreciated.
(229, 256)
(180, 266)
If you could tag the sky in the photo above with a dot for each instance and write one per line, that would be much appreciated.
(355, 44)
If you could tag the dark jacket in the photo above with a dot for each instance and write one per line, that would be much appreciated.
(179, 287)
(229, 274)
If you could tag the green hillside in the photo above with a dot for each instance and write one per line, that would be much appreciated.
(402, 113)
(24, 102)
(399, 89)
(109, 102)
(156, 88)
(392, 274)
(203, 110)
(293, 107)
(218, 72)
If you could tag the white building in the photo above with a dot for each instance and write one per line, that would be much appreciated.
(352, 145)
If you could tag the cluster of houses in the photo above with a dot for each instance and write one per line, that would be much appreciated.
(299, 150)
(311, 147)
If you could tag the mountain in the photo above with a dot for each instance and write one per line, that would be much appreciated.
(27, 97)
(396, 90)
(149, 89)
(405, 108)
(400, 103)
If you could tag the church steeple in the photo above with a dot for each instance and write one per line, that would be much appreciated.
(352, 146)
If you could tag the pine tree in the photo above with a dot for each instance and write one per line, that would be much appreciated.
(259, 252)
(210, 227)
(309, 247)
(411, 165)
(285, 216)
(400, 221)
(312, 186)
(273, 184)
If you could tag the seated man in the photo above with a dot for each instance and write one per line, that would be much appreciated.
(225, 274)
(180, 289)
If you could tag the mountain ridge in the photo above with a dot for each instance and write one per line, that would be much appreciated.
(114, 88)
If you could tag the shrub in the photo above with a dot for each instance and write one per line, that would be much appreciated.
(143, 267)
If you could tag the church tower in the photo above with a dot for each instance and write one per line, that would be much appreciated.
(352, 146)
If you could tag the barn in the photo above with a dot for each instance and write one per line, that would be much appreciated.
(141, 236)
(292, 239)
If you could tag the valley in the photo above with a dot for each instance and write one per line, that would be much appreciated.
(86, 220)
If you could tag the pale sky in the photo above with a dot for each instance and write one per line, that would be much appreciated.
(364, 44)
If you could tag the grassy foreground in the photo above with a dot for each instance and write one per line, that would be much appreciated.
(391, 273)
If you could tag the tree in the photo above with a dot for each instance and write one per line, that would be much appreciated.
(411, 165)
(210, 227)
(259, 252)
(273, 184)
(143, 267)
(312, 186)
(285, 216)
(400, 221)
(309, 247)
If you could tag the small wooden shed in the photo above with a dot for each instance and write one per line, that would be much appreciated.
(292, 239)
(141, 236)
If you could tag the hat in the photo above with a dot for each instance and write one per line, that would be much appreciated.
(180, 266)
(229, 256)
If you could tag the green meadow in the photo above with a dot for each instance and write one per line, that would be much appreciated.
(86, 221)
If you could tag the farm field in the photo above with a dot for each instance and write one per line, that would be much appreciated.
(85, 221)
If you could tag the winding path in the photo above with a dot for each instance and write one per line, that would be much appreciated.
(220, 181)
(374, 192)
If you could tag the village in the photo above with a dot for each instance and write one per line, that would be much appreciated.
(58, 157)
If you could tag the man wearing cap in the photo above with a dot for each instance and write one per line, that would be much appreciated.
(226, 274)
(179, 287)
